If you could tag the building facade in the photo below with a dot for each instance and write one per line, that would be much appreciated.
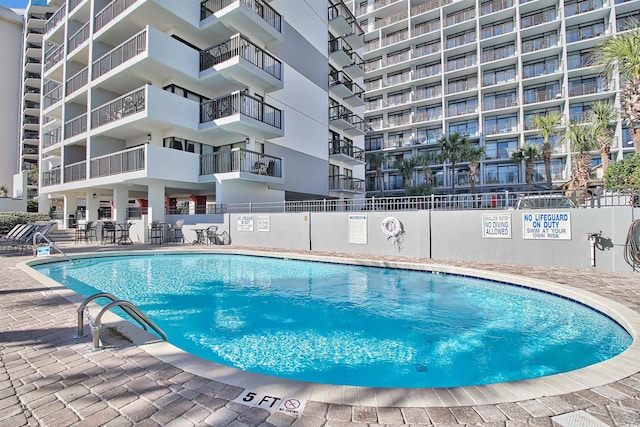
(11, 35)
(35, 18)
(483, 69)
(171, 105)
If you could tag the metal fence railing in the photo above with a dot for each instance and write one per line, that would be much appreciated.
(569, 199)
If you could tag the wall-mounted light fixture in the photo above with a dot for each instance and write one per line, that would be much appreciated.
(95, 195)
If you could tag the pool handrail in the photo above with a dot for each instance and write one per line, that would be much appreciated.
(128, 308)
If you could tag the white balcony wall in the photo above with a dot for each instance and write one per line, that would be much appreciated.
(168, 109)
(189, 10)
(168, 164)
(170, 52)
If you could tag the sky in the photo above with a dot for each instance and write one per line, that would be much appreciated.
(20, 4)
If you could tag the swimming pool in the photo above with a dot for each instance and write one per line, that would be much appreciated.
(342, 324)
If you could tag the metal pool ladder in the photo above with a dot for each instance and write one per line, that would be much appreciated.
(95, 324)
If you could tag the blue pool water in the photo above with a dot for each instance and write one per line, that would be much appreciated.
(341, 324)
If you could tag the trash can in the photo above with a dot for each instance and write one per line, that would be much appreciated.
(71, 221)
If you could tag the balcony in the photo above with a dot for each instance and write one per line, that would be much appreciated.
(125, 161)
(51, 137)
(78, 38)
(254, 18)
(579, 89)
(346, 152)
(499, 103)
(75, 172)
(242, 62)
(75, 126)
(346, 184)
(246, 164)
(110, 12)
(343, 23)
(345, 120)
(243, 114)
(52, 177)
(582, 7)
(122, 107)
(52, 57)
(537, 44)
(119, 55)
(56, 18)
(77, 81)
(542, 95)
(342, 86)
(498, 129)
(52, 97)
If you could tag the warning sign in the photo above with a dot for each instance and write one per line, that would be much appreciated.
(496, 226)
(291, 406)
(546, 225)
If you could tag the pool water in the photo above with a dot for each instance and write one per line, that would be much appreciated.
(351, 325)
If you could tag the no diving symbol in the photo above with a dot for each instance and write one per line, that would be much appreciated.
(292, 404)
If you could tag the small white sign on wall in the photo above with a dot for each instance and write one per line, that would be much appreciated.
(496, 226)
(264, 222)
(245, 222)
(358, 229)
(546, 226)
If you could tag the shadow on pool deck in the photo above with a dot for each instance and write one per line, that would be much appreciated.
(48, 378)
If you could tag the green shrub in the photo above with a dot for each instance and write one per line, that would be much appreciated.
(623, 174)
(10, 219)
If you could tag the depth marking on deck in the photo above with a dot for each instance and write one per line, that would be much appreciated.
(288, 405)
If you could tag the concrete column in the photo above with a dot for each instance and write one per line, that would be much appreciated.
(120, 203)
(156, 199)
(70, 207)
(92, 205)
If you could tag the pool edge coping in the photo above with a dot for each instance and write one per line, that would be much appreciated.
(606, 372)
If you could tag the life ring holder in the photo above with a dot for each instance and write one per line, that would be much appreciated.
(392, 227)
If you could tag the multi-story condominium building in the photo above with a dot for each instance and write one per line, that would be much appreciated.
(35, 18)
(483, 69)
(169, 103)
(11, 36)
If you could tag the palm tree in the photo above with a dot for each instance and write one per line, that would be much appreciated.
(452, 150)
(579, 136)
(528, 154)
(602, 118)
(405, 167)
(474, 154)
(620, 54)
(547, 127)
(375, 161)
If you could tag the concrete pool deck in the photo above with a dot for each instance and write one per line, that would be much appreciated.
(48, 378)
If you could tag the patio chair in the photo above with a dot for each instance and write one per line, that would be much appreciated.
(19, 237)
(212, 237)
(175, 232)
(108, 234)
(13, 232)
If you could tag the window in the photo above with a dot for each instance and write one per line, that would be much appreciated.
(468, 128)
(373, 142)
(540, 67)
(498, 76)
(585, 31)
(493, 101)
(541, 93)
(580, 59)
(429, 135)
(501, 174)
(501, 149)
(500, 124)
(462, 106)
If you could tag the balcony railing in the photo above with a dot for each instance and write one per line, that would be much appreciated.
(240, 46)
(539, 44)
(494, 6)
(498, 53)
(79, 80)
(51, 137)
(347, 149)
(75, 172)
(462, 86)
(542, 95)
(391, 19)
(130, 160)
(126, 105)
(52, 177)
(124, 52)
(78, 38)
(538, 18)
(495, 129)
(497, 103)
(73, 4)
(261, 8)
(340, 9)
(346, 183)
(578, 89)
(75, 126)
(341, 113)
(56, 18)
(240, 160)
(53, 56)
(109, 12)
(341, 78)
(582, 7)
(52, 97)
(361, 10)
(240, 103)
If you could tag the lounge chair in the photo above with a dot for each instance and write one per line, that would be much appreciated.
(13, 232)
(18, 238)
